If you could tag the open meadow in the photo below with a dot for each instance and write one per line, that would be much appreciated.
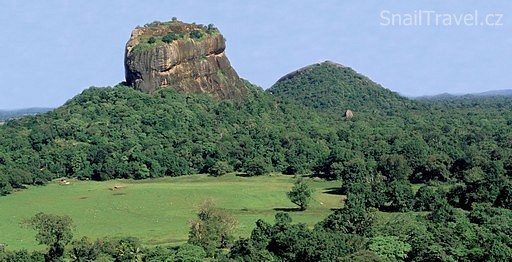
(157, 211)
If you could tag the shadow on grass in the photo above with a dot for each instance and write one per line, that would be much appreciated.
(243, 175)
(288, 209)
(333, 191)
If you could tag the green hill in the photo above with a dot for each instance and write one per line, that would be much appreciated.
(335, 88)
(418, 162)
(107, 133)
(119, 132)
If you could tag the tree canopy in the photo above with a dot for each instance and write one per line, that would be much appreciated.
(300, 194)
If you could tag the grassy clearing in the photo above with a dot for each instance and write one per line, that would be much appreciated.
(156, 211)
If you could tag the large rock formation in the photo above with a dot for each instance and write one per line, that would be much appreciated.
(187, 57)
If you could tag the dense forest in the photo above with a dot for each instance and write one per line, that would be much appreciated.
(107, 133)
(458, 152)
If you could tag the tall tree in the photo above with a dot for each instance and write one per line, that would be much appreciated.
(213, 229)
(300, 194)
(504, 199)
(427, 199)
(54, 231)
(400, 195)
(394, 167)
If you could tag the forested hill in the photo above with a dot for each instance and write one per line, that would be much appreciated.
(335, 88)
(456, 154)
(119, 132)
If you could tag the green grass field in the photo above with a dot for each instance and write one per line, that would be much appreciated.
(156, 211)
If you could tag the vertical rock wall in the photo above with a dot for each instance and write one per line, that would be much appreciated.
(187, 64)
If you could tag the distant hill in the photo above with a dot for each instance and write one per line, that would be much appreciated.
(502, 93)
(10, 114)
(436, 97)
(332, 87)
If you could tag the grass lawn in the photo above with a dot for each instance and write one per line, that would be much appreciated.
(156, 211)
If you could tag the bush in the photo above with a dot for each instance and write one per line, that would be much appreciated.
(257, 167)
(21, 255)
(504, 199)
(171, 36)
(211, 29)
(151, 40)
(349, 220)
(220, 168)
(212, 230)
(196, 34)
(401, 196)
(188, 252)
(389, 247)
(5, 186)
(85, 249)
(427, 199)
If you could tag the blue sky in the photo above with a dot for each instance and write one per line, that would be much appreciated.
(52, 50)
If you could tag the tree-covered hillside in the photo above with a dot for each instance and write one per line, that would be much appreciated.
(444, 166)
(335, 88)
(118, 132)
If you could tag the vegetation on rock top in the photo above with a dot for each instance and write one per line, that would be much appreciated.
(158, 33)
(187, 57)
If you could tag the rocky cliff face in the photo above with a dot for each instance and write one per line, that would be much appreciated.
(191, 59)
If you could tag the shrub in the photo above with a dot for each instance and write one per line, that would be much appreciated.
(220, 168)
(213, 229)
(257, 167)
(389, 247)
(427, 199)
(401, 196)
(196, 34)
(5, 186)
(169, 37)
(211, 29)
(154, 23)
(141, 47)
(188, 252)
(151, 40)
(504, 198)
